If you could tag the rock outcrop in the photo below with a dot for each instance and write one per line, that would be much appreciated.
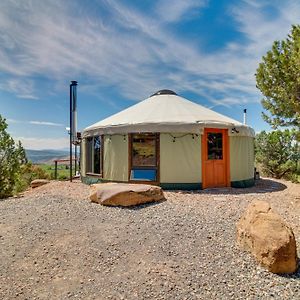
(265, 234)
(38, 182)
(122, 194)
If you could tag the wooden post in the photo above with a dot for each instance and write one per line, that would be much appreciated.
(55, 170)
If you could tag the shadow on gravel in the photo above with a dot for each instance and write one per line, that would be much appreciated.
(9, 198)
(142, 206)
(261, 186)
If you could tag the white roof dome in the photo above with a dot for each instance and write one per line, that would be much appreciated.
(165, 111)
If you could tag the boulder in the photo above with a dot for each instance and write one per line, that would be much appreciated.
(265, 234)
(38, 182)
(122, 194)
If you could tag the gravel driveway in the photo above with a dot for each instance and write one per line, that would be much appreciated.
(55, 244)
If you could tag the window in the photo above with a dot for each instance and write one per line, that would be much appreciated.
(144, 161)
(89, 155)
(143, 150)
(94, 155)
(97, 155)
(214, 146)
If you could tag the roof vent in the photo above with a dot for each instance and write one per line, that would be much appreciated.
(164, 92)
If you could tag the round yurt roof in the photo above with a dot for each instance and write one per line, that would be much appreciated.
(165, 111)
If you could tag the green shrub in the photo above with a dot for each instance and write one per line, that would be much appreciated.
(52, 175)
(295, 178)
(277, 153)
(12, 158)
(28, 173)
(63, 177)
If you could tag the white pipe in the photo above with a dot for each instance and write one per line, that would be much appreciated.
(245, 116)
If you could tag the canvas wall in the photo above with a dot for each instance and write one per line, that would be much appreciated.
(180, 161)
(83, 157)
(115, 157)
(241, 157)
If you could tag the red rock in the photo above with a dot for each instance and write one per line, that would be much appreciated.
(123, 194)
(271, 241)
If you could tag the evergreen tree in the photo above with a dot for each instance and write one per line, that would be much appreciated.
(12, 157)
(278, 153)
(278, 78)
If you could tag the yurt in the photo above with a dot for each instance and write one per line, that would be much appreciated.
(169, 141)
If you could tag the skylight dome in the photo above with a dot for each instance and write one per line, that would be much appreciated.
(164, 92)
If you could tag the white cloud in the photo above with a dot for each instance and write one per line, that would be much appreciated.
(262, 30)
(133, 51)
(231, 101)
(21, 87)
(12, 121)
(45, 123)
(43, 143)
(174, 11)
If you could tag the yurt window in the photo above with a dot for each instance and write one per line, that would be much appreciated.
(94, 155)
(144, 157)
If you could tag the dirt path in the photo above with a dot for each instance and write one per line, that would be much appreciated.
(55, 244)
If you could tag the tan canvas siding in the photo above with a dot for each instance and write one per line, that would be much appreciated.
(241, 157)
(115, 165)
(83, 157)
(180, 161)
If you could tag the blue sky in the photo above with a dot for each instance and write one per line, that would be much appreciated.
(120, 52)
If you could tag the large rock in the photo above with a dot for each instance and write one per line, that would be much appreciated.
(38, 182)
(122, 194)
(264, 233)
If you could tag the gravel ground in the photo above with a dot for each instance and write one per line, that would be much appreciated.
(55, 244)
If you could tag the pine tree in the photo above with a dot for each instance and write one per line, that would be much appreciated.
(278, 153)
(12, 157)
(278, 78)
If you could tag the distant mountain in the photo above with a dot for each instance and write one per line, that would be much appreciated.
(45, 156)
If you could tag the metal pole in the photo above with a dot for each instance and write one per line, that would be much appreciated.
(71, 133)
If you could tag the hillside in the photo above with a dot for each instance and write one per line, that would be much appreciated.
(45, 156)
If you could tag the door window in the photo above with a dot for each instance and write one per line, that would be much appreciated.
(214, 146)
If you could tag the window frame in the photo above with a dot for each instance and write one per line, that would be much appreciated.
(90, 153)
(130, 159)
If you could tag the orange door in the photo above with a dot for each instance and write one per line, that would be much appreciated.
(215, 158)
